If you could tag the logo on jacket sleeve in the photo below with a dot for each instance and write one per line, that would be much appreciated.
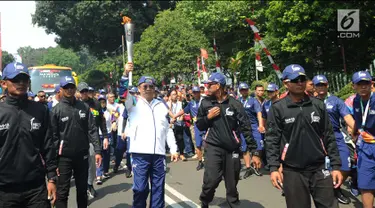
(228, 112)
(289, 120)
(314, 118)
(4, 126)
(65, 119)
(34, 125)
(81, 114)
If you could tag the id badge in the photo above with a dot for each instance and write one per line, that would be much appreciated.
(284, 151)
(327, 163)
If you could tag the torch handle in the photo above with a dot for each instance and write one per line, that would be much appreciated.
(130, 76)
(129, 34)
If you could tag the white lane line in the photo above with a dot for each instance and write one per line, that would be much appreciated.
(171, 202)
(180, 196)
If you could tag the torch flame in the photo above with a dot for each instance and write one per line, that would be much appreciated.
(125, 20)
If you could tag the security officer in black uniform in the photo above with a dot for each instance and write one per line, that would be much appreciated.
(73, 129)
(97, 112)
(223, 117)
(301, 146)
(26, 146)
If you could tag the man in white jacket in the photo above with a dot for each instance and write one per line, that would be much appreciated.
(148, 129)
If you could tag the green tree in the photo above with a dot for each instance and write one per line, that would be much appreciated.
(6, 59)
(169, 47)
(95, 24)
(305, 32)
(96, 78)
(223, 20)
(62, 57)
(31, 56)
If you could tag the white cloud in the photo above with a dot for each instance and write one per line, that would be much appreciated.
(17, 29)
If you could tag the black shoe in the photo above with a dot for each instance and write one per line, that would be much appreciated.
(204, 205)
(115, 169)
(200, 165)
(91, 191)
(128, 173)
(106, 176)
(255, 171)
(248, 173)
(341, 197)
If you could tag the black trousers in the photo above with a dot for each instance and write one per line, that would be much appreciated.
(221, 163)
(298, 186)
(30, 197)
(179, 135)
(79, 165)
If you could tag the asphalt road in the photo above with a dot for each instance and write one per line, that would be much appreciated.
(182, 189)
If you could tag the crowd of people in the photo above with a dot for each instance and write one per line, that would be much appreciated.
(308, 139)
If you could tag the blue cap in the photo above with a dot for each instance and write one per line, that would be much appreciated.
(146, 79)
(243, 86)
(320, 79)
(66, 80)
(133, 90)
(101, 91)
(57, 88)
(13, 69)
(293, 71)
(271, 87)
(361, 76)
(195, 89)
(91, 89)
(30, 94)
(102, 97)
(216, 77)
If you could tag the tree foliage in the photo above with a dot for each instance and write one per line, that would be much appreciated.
(31, 56)
(169, 47)
(6, 59)
(305, 32)
(95, 24)
(61, 57)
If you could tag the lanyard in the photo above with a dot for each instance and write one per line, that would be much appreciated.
(365, 111)
(325, 99)
(195, 102)
(244, 104)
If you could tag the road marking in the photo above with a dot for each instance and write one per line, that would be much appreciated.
(180, 196)
(171, 202)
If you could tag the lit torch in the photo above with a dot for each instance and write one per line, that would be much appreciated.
(129, 34)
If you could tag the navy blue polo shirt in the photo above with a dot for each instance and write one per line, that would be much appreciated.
(252, 107)
(370, 121)
(336, 109)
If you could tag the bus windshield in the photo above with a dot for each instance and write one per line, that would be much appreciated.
(46, 79)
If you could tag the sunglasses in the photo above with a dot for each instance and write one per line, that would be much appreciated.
(19, 79)
(147, 86)
(320, 85)
(84, 91)
(299, 79)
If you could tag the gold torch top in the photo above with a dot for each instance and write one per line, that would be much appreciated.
(125, 20)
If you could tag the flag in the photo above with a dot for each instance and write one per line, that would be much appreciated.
(198, 66)
(204, 53)
(258, 63)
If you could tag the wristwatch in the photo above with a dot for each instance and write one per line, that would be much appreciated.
(256, 153)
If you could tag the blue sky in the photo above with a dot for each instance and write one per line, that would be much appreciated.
(17, 29)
